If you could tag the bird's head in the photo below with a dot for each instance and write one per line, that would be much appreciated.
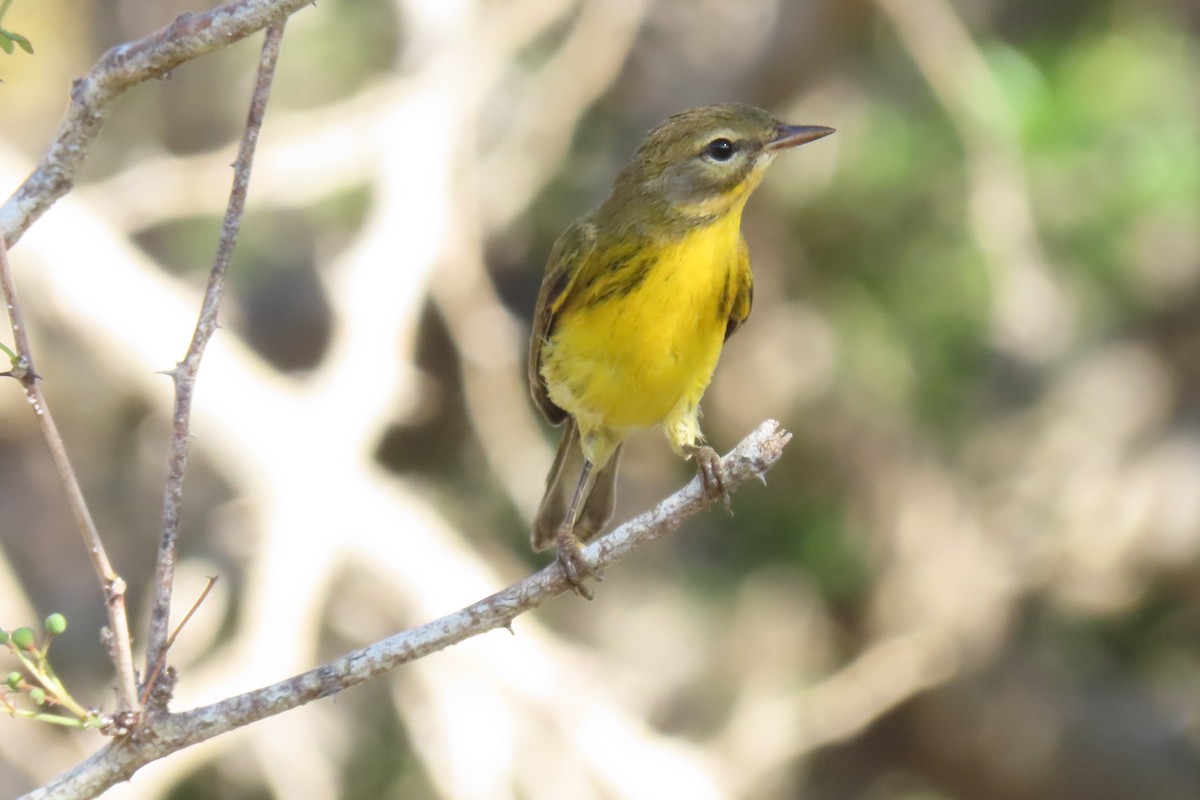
(701, 163)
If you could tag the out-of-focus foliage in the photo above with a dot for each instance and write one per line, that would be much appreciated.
(977, 306)
(11, 40)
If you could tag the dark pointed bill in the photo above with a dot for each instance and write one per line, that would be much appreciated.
(794, 135)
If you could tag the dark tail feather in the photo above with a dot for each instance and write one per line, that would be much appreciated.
(567, 461)
(601, 503)
(560, 486)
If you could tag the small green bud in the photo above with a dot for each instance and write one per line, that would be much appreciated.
(38, 695)
(14, 680)
(3, 636)
(23, 638)
(56, 624)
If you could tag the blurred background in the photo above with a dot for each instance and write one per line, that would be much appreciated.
(974, 574)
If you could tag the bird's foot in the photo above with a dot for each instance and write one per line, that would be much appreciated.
(711, 472)
(574, 565)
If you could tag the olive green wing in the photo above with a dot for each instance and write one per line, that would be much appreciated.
(743, 297)
(568, 261)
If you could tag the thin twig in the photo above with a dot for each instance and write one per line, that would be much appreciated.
(185, 371)
(124, 66)
(111, 584)
(169, 733)
(158, 665)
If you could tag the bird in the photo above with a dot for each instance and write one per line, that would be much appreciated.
(635, 305)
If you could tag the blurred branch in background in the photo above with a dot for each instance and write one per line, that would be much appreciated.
(1032, 317)
(973, 576)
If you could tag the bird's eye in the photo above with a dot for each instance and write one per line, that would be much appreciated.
(719, 149)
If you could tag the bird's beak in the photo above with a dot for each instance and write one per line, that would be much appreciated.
(795, 135)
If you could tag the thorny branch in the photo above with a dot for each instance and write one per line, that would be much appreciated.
(111, 584)
(168, 733)
(184, 374)
(124, 66)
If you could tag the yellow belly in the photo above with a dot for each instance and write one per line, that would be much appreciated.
(644, 358)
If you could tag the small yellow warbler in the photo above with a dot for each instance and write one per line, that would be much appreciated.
(637, 301)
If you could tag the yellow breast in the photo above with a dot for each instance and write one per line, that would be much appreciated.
(626, 361)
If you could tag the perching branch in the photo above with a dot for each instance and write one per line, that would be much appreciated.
(184, 374)
(124, 66)
(168, 733)
(111, 584)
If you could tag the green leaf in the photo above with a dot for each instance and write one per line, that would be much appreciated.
(6, 43)
(21, 41)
